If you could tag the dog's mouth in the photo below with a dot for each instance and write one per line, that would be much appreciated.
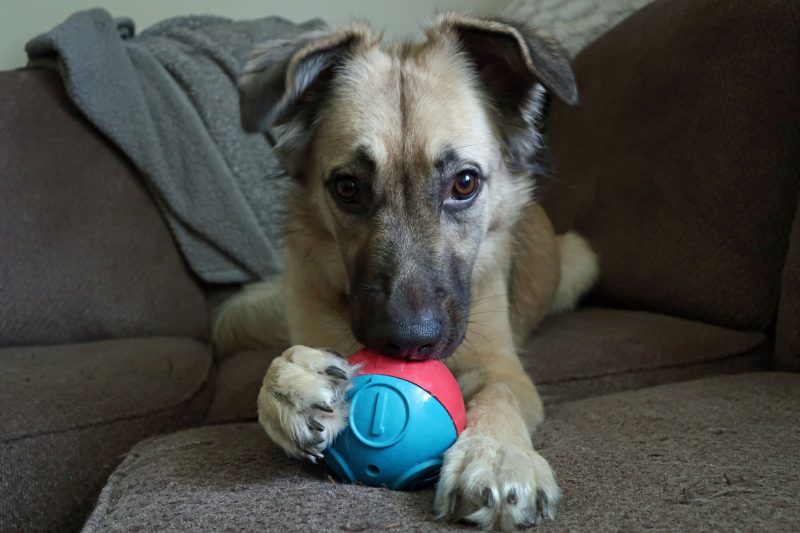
(458, 326)
(451, 346)
(431, 331)
(438, 352)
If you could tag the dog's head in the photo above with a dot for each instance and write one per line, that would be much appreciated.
(412, 161)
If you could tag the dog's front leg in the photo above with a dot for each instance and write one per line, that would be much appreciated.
(492, 476)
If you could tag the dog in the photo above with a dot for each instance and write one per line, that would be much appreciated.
(413, 229)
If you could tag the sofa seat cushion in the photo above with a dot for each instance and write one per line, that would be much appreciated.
(69, 412)
(718, 453)
(586, 353)
(595, 351)
(238, 381)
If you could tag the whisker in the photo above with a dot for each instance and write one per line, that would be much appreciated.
(468, 344)
(500, 295)
(495, 311)
(484, 337)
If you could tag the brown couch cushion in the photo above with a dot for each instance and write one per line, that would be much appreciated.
(237, 384)
(681, 164)
(595, 351)
(716, 454)
(687, 456)
(85, 253)
(68, 412)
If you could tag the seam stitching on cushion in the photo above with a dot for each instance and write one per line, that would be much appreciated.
(183, 400)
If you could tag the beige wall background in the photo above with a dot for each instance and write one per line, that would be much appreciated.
(22, 19)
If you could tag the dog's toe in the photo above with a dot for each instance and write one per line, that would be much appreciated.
(495, 485)
(301, 403)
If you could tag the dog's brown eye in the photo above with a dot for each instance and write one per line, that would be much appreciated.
(465, 185)
(346, 189)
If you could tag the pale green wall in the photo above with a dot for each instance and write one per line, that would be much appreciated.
(23, 19)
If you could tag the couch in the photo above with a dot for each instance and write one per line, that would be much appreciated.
(673, 392)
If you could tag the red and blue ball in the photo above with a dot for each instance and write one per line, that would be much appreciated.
(404, 415)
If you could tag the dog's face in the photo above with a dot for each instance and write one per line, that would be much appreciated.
(412, 160)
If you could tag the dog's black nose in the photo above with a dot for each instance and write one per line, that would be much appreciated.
(416, 337)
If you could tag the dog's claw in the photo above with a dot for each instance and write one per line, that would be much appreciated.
(315, 425)
(322, 407)
(336, 372)
(453, 504)
(488, 497)
(313, 453)
(544, 506)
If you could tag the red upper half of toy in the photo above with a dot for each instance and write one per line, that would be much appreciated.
(431, 375)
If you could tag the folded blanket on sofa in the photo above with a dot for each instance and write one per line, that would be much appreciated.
(167, 98)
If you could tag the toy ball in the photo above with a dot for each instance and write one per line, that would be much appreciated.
(403, 416)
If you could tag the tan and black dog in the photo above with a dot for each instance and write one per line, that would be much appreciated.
(414, 230)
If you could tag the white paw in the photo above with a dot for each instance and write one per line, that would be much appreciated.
(496, 485)
(301, 403)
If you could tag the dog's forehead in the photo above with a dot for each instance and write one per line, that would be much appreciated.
(408, 104)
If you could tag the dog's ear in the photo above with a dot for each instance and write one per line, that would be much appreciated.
(285, 74)
(514, 63)
(512, 58)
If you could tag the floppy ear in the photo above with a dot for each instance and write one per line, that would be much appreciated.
(284, 74)
(514, 64)
(511, 58)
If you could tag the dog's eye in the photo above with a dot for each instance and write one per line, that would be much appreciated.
(465, 185)
(346, 189)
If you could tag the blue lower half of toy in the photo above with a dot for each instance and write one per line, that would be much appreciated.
(396, 436)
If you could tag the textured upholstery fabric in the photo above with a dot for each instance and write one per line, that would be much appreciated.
(68, 412)
(237, 384)
(718, 454)
(787, 349)
(595, 351)
(85, 253)
(55, 388)
(714, 454)
(681, 164)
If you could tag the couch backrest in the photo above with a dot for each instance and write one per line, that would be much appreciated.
(84, 252)
(681, 164)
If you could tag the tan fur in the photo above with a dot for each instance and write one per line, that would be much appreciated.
(238, 323)
(407, 103)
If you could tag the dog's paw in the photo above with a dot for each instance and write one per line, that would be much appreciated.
(301, 403)
(495, 485)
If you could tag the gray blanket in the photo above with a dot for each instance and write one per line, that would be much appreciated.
(167, 98)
